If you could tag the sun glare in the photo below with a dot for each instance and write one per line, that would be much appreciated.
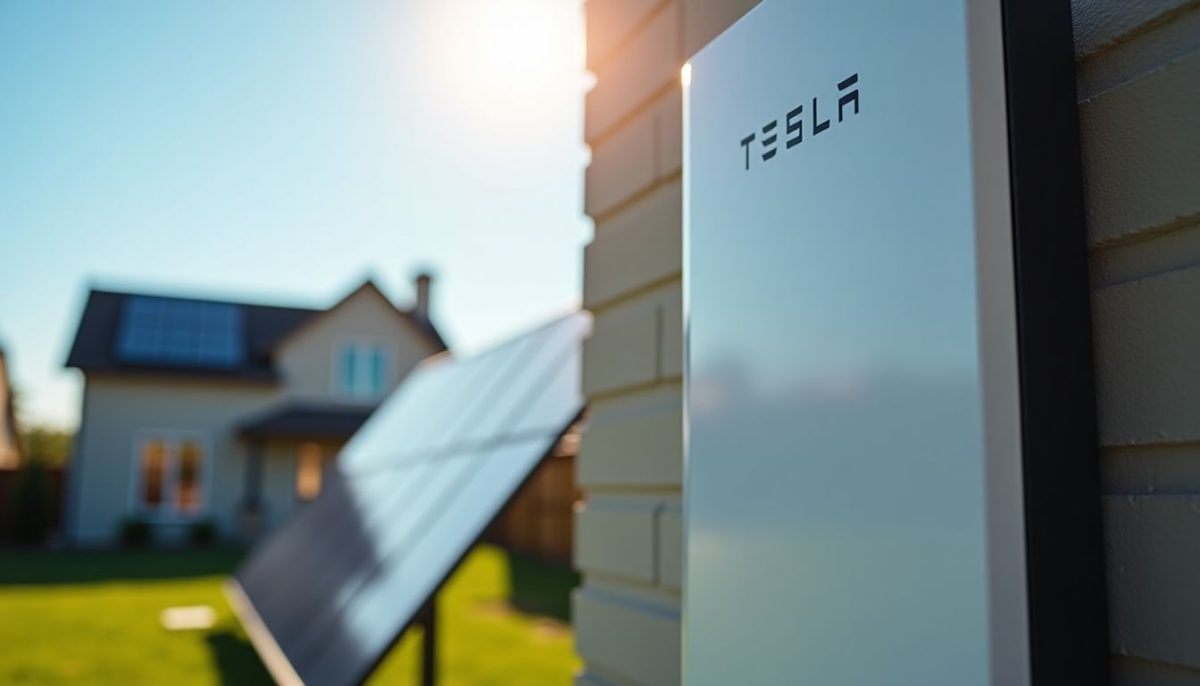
(505, 58)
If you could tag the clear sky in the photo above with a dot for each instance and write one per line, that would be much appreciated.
(283, 150)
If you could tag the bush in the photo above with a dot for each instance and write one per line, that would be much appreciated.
(135, 532)
(31, 511)
(202, 533)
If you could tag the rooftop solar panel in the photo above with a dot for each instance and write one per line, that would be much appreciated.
(172, 331)
(326, 597)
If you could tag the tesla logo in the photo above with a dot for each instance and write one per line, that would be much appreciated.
(794, 123)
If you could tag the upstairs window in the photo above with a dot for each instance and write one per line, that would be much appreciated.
(361, 370)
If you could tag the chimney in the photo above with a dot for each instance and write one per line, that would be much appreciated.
(423, 281)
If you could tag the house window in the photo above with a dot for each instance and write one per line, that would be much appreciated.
(362, 371)
(154, 464)
(171, 475)
(310, 467)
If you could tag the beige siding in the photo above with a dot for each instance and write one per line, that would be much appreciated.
(1139, 84)
(306, 358)
(1139, 89)
(116, 410)
(629, 542)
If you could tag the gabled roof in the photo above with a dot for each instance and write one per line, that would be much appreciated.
(422, 325)
(262, 328)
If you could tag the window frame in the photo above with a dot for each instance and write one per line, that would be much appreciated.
(168, 511)
(364, 347)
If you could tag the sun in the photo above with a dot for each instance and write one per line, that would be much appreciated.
(505, 58)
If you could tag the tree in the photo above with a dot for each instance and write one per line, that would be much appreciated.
(49, 446)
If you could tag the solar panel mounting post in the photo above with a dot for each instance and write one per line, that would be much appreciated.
(429, 642)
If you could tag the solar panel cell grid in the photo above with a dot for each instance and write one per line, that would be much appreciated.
(180, 332)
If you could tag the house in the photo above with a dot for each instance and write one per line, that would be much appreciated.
(221, 412)
(10, 449)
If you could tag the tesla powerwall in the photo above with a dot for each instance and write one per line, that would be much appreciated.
(891, 475)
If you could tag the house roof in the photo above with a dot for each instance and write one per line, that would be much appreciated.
(306, 421)
(260, 330)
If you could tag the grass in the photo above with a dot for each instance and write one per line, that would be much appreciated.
(93, 618)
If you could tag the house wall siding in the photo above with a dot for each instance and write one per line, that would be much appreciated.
(629, 534)
(116, 410)
(307, 359)
(1138, 89)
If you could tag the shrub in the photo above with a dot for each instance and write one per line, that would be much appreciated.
(202, 533)
(31, 511)
(135, 532)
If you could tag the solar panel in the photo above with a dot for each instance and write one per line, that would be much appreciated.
(327, 596)
(180, 332)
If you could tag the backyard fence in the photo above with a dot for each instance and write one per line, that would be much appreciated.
(539, 521)
(54, 494)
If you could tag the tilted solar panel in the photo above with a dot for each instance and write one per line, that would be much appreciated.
(327, 596)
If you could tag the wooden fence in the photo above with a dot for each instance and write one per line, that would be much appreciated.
(539, 521)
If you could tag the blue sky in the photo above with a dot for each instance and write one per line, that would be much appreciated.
(283, 151)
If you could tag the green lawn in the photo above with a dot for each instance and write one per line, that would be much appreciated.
(92, 618)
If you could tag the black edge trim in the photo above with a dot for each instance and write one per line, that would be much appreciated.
(1068, 630)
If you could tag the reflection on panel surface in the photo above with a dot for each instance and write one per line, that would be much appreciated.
(335, 587)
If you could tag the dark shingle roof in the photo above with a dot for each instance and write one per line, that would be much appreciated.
(95, 340)
(94, 348)
(307, 421)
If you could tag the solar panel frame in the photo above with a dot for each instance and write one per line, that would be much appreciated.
(503, 412)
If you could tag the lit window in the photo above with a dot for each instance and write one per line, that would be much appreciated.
(362, 371)
(154, 461)
(171, 475)
(310, 466)
(187, 488)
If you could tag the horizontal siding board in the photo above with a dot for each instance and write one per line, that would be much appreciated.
(1134, 672)
(670, 547)
(1154, 469)
(669, 110)
(635, 247)
(1141, 54)
(1141, 153)
(628, 637)
(610, 23)
(623, 348)
(648, 62)
(634, 440)
(1099, 23)
(671, 342)
(1147, 336)
(704, 20)
(1154, 571)
(615, 536)
(622, 166)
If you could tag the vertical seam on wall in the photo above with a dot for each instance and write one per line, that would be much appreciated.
(658, 342)
(658, 166)
(656, 542)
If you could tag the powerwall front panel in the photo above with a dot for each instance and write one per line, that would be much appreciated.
(874, 421)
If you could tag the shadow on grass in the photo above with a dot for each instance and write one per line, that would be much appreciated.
(540, 587)
(40, 567)
(236, 660)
